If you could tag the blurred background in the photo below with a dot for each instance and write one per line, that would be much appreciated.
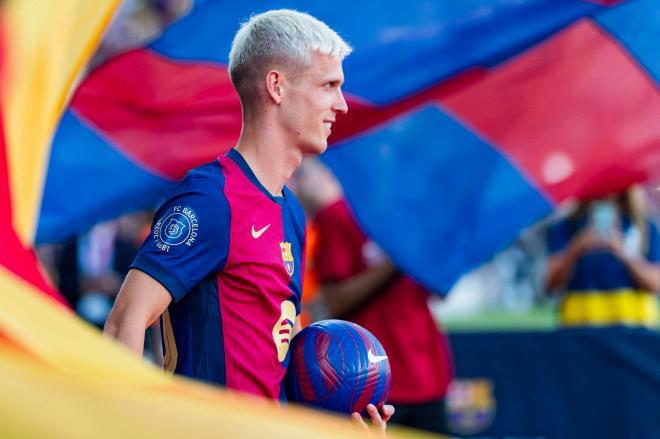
(498, 170)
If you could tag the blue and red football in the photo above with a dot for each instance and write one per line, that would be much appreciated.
(339, 366)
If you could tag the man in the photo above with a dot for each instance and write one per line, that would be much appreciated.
(359, 284)
(223, 261)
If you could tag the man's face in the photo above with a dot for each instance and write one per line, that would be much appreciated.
(311, 102)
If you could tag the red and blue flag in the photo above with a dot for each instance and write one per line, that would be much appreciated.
(468, 121)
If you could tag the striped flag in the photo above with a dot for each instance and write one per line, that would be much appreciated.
(467, 122)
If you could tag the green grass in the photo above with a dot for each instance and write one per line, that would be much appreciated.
(541, 317)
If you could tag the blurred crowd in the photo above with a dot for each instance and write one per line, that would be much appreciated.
(136, 23)
(518, 279)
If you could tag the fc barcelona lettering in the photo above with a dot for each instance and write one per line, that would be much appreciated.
(177, 226)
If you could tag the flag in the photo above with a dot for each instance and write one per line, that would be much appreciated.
(43, 49)
(467, 122)
(60, 378)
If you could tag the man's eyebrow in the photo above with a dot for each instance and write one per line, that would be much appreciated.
(338, 79)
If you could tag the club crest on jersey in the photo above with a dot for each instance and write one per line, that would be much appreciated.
(174, 229)
(177, 226)
(287, 257)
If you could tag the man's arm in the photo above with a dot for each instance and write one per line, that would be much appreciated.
(561, 264)
(344, 296)
(141, 300)
(646, 274)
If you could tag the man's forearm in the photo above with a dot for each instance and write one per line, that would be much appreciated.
(127, 331)
(345, 296)
(560, 267)
(645, 274)
(140, 302)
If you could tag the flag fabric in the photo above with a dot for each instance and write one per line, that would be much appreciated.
(60, 378)
(467, 122)
(43, 48)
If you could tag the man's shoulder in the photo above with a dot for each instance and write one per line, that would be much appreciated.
(206, 174)
(202, 188)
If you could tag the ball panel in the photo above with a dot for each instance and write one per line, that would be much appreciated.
(312, 367)
(302, 388)
(359, 365)
(328, 372)
(379, 372)
(373, 388)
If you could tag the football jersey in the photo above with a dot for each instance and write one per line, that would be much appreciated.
(230, 254)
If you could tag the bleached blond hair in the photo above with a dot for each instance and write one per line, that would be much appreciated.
(282, 38)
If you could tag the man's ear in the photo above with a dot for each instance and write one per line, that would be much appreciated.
(273, 85)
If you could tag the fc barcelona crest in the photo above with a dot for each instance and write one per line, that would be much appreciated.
(287, 257)
(470, 405)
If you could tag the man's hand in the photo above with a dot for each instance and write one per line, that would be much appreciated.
(378, 420)
(613, 243)
(585, 241)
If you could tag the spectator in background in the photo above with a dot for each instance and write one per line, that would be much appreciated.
(98, 280)
(92, 266)
(360, 284)
(88, 269)
(605, 259)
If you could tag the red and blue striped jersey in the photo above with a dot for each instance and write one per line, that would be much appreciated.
(230, 254)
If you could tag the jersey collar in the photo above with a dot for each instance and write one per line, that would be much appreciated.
(240, 161)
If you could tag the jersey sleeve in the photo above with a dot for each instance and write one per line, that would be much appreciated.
(189, 237)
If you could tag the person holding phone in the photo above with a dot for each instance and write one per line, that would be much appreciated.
(605, 260)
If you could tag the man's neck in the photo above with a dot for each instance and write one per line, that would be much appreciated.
(270, 158)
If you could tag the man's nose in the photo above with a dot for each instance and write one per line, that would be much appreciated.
(340, 105)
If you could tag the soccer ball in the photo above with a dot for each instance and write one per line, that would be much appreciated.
(339, 366)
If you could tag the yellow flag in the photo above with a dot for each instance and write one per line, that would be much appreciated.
(60, 378)
(47, 43)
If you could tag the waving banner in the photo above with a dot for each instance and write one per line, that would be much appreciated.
(467, 122)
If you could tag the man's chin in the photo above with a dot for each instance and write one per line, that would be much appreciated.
(316, 149)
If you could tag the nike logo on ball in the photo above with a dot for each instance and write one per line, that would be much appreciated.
(257, 233)
(375, 358)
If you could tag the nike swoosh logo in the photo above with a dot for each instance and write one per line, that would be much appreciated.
(375, 358)
(257, 233)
